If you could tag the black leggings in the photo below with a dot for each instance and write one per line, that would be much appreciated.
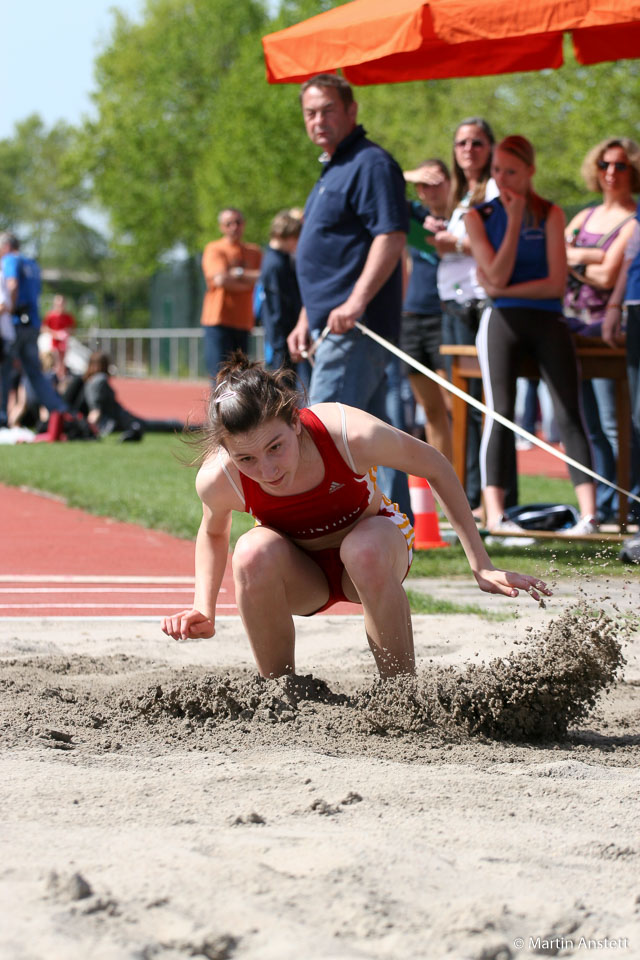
(506, 335)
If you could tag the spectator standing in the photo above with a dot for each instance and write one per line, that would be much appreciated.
(22, 284)
(59, 323)
(280, 303)
(627, 292)
(348, 258)
(517, 240)
(230, 269)
(421, 334)
(596, 240)
(7, 332)
(462, 296)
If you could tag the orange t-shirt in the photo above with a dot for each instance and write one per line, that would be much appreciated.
(227, 307)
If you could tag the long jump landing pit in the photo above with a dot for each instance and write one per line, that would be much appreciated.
(58, 561)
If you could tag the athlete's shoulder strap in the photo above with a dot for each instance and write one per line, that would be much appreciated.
(345, 441)
(227, 474)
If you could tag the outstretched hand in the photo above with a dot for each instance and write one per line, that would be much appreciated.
(510, 584)
(188, 625)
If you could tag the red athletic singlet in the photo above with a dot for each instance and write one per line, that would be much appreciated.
(336, 503)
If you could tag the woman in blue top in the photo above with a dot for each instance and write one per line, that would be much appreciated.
(517, 241)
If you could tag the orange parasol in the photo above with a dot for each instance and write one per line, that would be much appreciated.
(390, 41)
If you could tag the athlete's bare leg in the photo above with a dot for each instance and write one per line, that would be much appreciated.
(375, 557)
(273, 580)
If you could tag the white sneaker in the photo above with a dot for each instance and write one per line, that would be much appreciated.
(585, 525)
(523, 444)
(499, 534)
(504, 526)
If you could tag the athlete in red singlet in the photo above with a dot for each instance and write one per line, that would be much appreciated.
(323, 529)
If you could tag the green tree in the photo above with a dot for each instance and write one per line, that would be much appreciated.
(41, 189)
(157, 100)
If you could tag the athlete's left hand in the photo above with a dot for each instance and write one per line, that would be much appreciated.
(509, 583)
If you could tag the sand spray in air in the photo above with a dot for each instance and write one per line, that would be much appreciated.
(537, 692)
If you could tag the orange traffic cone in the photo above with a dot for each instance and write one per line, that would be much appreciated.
(425, 516)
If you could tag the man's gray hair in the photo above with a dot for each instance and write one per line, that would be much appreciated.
(8, 239)
(332, 81)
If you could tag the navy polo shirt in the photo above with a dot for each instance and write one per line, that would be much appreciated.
(422, 291)
(360, 195)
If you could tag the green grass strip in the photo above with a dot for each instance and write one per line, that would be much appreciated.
(424, 603)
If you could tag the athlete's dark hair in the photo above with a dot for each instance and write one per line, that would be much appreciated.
(245, 395)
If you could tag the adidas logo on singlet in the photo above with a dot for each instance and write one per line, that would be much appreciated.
(335, 486)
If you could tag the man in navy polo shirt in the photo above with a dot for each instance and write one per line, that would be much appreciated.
(348, 258)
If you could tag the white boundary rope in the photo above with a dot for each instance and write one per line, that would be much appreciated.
(489, 413)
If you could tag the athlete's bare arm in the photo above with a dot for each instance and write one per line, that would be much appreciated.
(373, 442)
(212, 548)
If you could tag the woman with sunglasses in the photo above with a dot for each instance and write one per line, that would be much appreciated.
(596, 239)
(518, 243)
(461, 295)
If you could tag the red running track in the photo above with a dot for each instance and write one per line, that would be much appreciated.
(59, 561)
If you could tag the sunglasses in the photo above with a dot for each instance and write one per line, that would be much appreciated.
(620, 165)
(474, 143)
(230, 223)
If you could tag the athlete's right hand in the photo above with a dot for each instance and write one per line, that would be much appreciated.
(188, 625)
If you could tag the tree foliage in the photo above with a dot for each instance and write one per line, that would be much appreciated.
(186, 123)
(158, 103)
(40, 187)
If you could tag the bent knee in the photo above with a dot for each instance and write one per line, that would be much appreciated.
(367, 562)
(257, 552)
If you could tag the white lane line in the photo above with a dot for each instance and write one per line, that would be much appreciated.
(132, 618)
(112, 590)
(73, 578)
(97, 606)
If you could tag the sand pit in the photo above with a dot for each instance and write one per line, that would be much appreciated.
(160, 801)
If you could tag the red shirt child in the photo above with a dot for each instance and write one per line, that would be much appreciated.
(59, 322)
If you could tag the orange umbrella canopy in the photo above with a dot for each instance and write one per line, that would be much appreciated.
(390, 41)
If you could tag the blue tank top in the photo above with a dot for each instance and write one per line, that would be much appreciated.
(531, 255)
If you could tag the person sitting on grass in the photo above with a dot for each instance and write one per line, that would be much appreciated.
(107, 413)
(324, 531)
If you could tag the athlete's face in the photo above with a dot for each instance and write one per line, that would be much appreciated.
(269, 454)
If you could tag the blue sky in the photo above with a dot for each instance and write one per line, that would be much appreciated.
(48, 49)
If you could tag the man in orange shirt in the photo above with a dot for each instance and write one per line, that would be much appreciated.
(230, 269)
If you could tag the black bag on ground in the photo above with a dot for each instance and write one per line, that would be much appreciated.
(543, 516)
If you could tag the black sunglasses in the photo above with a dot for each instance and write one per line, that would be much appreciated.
(474, 143)
(620, 165)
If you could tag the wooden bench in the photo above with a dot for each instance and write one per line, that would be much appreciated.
(596, 359)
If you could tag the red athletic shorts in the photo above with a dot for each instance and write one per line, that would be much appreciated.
(332, 566)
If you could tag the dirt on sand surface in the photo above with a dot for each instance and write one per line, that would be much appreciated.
(160, 800)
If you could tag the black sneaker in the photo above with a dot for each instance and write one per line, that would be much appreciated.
(630, 552)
